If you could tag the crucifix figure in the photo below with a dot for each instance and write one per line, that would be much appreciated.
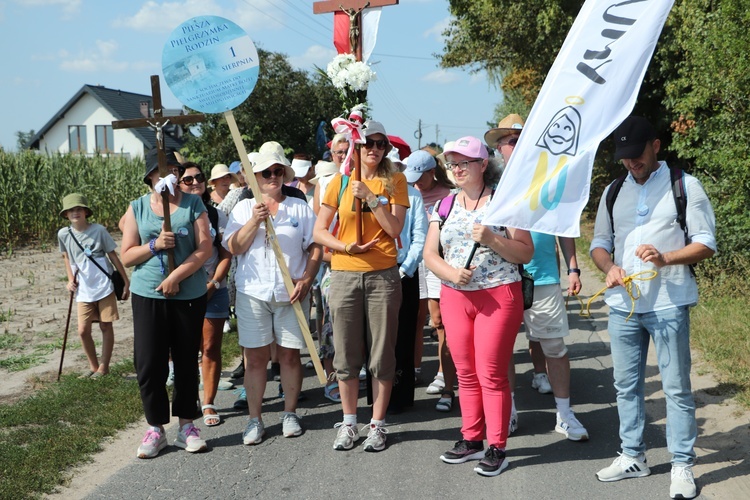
(158, 122)
(353, 8)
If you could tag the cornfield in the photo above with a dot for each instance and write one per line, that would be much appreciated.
(32, 187)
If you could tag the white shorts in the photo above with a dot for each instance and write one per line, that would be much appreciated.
(547, 317)
(429, 284)
(259, 323)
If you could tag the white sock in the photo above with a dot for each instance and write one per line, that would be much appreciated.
(377, 423)
(439, 375)
(350, 419)
(563, 407)
(171, 366)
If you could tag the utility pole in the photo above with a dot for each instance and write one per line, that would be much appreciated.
(418, 134)
(437, 133)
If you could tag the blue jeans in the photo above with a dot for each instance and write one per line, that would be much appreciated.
(670, 330)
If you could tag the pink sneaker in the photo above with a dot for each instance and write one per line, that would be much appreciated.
(190, 439)
(153, 442)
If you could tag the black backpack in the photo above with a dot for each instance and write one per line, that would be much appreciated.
(677, 177)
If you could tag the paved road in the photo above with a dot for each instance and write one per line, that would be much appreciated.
(543, 464)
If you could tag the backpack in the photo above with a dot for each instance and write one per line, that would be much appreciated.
(677, 177)
(213, 219)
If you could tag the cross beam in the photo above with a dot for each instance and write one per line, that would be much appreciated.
(158, 122)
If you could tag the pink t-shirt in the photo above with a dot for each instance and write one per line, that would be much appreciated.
(433, 196)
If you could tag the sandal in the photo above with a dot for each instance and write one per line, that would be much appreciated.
(210, 419)
(445, 403)
(329, 394)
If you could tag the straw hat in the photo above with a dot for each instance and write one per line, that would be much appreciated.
(511, 124)
(220, 170)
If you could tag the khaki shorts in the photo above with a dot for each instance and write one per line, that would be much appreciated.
(102, 311)
(547, 317)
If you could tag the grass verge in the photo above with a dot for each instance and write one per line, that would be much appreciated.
(61, 425)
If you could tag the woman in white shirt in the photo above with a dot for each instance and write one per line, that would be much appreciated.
(265, 313)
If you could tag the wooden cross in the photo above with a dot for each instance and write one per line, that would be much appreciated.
(353, 8)
(158, 122)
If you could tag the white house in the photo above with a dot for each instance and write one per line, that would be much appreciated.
(84, 125)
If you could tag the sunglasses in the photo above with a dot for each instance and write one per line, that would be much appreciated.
(276, 172)
(188, 179)
(510, 142)
(370, 144)
(340, 153)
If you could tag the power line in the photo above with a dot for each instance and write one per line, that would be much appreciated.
(281, 22)
(309, 16)
(406, 57)
(303, 22)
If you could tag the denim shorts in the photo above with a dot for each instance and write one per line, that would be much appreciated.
(218, 306)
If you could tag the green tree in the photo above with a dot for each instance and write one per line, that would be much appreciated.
(22, 138)
(286, 106)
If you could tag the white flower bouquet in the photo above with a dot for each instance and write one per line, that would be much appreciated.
(351, 78)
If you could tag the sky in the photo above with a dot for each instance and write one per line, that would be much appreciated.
(51, 48)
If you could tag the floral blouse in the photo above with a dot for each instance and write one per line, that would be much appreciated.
(455, 237)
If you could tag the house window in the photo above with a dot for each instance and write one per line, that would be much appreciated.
(77, 138)
(105, 139)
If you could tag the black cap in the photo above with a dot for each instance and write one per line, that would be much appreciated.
(152, 162)
(632, 136)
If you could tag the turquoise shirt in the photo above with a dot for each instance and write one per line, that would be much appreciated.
(147, 275)
(543, 265)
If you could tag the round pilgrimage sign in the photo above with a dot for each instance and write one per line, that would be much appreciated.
(210, 64)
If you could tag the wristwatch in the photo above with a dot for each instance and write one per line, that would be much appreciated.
(215, 283)
(574, 270)
(378, 200)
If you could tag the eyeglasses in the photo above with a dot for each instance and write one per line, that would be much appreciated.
(463, 165)
(370, 144)
(340, 153)
(276, 172)
(188, 179)
(511, 142)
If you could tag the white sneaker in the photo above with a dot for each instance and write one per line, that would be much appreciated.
(153, 442)
(683, 482)
(290, 426)
(375, 438)
(189, 438)
(571, 427)
(346, 437)
(436, 386)
(254, 432)
(227, 326)
(624, 467)
(540, 382)
(513, 423)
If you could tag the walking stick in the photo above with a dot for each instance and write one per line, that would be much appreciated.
(67, 326)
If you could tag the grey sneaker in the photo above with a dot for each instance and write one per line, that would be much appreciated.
(189, 438)
(463, 451)
(254, 432)
(375, 437)
(346, 437)
(683, 482)
(624, 467)
(153, 442)
(572, 428)
(290, 425)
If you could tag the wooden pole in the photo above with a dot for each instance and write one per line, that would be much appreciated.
(252, 183)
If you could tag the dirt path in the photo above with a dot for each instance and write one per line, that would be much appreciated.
(33, 309)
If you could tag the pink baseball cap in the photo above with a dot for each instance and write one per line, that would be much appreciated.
(468, 146)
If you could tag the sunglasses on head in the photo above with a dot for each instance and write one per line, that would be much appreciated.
(276, 172)
(381, 143)
(188, 179)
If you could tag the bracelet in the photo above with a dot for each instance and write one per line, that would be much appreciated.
(348, 248)
(152, 246)
(574, 270)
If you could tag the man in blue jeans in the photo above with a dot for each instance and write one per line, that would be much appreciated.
(646, 236)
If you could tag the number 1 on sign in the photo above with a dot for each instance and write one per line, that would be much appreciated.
(232, 49)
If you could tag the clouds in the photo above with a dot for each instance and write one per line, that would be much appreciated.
(102, 59)
(69, 7)
(442, 77)
(315, 55)
(163, 17)
(437, 29)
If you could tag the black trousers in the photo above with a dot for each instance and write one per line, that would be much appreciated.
(402, 395)
(162, 327)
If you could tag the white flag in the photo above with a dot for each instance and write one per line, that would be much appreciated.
(370, 22)
(590, 89)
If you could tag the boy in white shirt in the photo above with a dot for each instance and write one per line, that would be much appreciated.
(81, 244)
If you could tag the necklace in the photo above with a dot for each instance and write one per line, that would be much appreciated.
(477, 203)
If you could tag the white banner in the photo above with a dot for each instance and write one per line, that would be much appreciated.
(590, 89)
(370, 23)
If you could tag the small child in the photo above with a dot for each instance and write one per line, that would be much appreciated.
(79, 244)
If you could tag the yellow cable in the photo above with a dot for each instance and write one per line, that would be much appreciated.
(629, 285)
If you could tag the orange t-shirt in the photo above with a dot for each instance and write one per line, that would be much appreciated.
(383, 254)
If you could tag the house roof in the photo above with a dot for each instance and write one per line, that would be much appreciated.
(123, 106)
